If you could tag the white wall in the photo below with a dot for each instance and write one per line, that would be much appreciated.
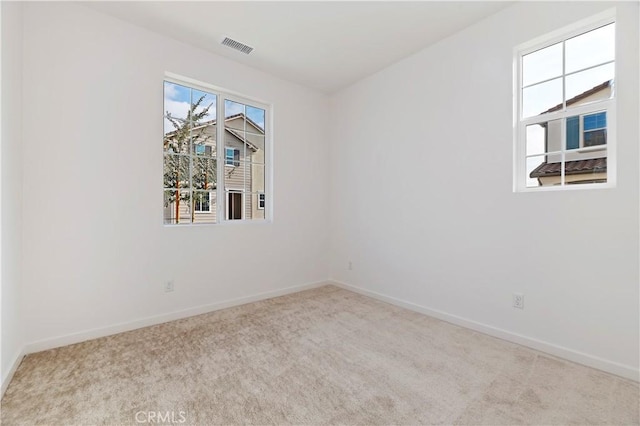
(422, 188)
(11, 154)
(93, 173)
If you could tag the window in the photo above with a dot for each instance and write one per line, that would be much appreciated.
(565, 109)
(205, 181)
(232, 157)
(202, 202)
(203, 149)
(587, 130)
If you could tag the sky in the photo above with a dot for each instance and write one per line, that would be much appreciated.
(177, 101)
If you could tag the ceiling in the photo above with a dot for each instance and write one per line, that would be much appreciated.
(322, 45)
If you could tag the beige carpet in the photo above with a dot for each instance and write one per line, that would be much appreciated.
(324, 356)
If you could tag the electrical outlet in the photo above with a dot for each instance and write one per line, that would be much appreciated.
(350, 266)
(168, 286)
(518, 300)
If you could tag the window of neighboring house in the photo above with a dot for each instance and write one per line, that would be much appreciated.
(202, 202)
(197, 186)
(232, 157)
(587, 130)
(566, 108)
(261, 200)
(203, 150)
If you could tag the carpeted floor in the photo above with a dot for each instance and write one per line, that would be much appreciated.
(323, 356)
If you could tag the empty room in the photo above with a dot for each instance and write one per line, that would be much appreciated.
(419, 213)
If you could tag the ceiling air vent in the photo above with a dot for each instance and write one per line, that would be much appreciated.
(237, 45)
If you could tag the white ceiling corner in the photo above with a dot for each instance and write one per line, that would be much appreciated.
(323, 45)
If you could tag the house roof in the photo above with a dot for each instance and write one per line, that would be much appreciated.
(577, 167)
(581, 96)
(231, 117)
(235, 132)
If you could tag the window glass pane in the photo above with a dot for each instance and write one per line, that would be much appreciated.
(178, 139)
(595, 137)
(204, 173)
(233, 109)
(176, 171)
(544, 137)
(177, 126)
(535, 169)
(177, 100)
(175, 131)
(541, 98)
(203, 138)
(589, 49)
(590, 85)
(255, 148)
(235, 176)
(589, 167)
(237, 139)
(542, 64)
(205, 209)
(232, 157)
(536, 139)
(204, 150)
(256, 118)
(177, 207)
(254, 209)
(573, 132)
(244, 118)
(203, 106)
(201, 202)
(256, 177)
(595, 121)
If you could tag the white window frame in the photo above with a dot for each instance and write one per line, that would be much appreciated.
(520, 124)
(221, 193)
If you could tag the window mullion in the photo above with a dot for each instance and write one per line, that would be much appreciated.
(221, 158)
(603, 105)
(563, 149)
(564, 76)
(191, 150)
(244, 166)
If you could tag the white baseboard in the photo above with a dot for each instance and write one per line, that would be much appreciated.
(7, 377)
(550, 348)
(83, 336)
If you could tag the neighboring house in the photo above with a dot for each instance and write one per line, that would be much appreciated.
(244, 180)
(583, 131)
